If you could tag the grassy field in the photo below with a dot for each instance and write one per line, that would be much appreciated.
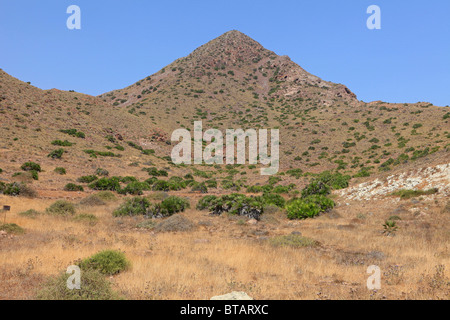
(226, 253)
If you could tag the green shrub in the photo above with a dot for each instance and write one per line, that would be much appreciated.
(29, 166)
(316, 188)
(176, 185)
(161, 185)
(212, 183)
(1, 170)
(61, 208)
(74, 133)
(323, 203)
(135, 188)
(56, 154)
(60, 170)
(151, 181)
(199, 187)
(60, 143)
(128, 179)
(134, 145)
(155, 172)
(390, 227)
(94, 153)
(15, 189)
(148, 151)
(87, 179)
(94, 286)
(206, 202)
(133, 207)
(73, 187)
(108, 262)
(231, 185)
(336, 180)
(235, 204)
(362, 173)
(297, 173)
(12, 228)
(282, 189)
(34, 175)
(169, 206)
(273, 199)
(300, 209)
(111, 184)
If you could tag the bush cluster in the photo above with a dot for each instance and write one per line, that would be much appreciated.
(142, 206)
(74, 133)
(17, 189)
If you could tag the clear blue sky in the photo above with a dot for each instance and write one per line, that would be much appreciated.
(121, 42)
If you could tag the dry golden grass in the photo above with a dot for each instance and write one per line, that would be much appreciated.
(222, 254)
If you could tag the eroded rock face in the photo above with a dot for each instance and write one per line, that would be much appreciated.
(233, 296)
(425, 178)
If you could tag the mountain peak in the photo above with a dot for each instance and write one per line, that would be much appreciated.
(232, 46)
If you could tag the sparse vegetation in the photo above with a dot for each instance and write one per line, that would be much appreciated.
(73, 187)
(94, 286)
(12, 228)
(408, 194)
(60, 170)
(61, 208)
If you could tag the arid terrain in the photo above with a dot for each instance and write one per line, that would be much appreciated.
(391, 206)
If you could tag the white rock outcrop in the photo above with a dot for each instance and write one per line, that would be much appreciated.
(424, 178)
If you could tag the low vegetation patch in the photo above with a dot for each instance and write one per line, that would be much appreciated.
(30, 213)
(175, 223)
(308, 207)
(12, 228)
(73, 187)
(147, 224)
(135, 188)
(17, 189)
(94, 286)
(87, 179)
(61, 208)
(60, 170)
(87, 218)
(293, 241)
(133, 207)
(110, 184)
(408, 194)
(74, 133)
(31, 166)
(60, 143)
(108, 262)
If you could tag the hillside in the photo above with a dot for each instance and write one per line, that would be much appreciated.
(359, 184)
(233, 82)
